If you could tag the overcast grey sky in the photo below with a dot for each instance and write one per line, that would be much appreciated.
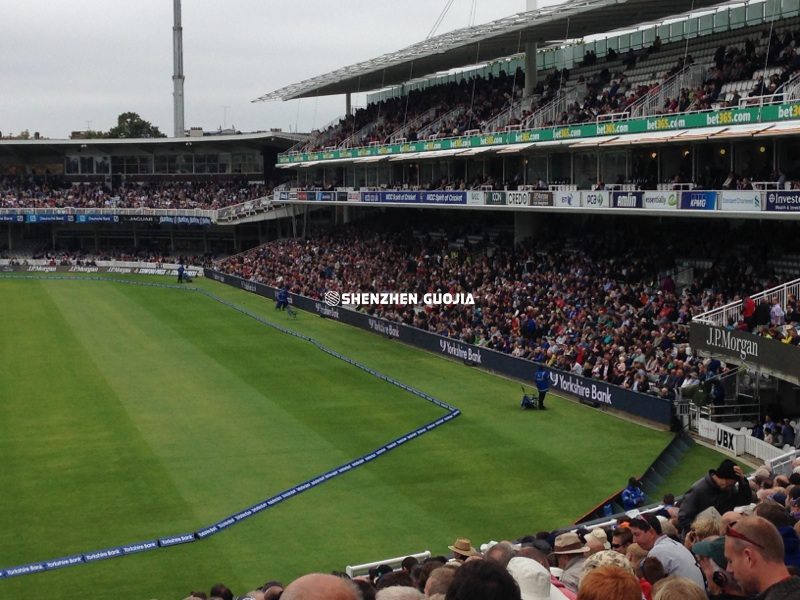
(65, 64)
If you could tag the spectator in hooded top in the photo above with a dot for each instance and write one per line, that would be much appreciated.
(723, 488)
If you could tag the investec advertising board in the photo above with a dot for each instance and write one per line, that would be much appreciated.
(783, 201)
(590, 391)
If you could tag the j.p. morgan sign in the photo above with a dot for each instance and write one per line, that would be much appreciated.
(744, 347)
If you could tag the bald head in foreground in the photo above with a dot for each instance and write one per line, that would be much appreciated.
(317, 586)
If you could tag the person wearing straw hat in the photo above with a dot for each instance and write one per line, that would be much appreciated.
(569, 552)
(462, 549)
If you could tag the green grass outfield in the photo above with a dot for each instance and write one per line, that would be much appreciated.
(130, 412)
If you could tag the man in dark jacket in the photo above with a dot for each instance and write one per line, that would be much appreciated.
(723, 488)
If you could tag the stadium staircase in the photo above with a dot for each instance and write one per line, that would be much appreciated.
(658, 472)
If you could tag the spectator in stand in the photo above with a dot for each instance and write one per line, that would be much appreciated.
(479, 579)
(569, 552)
(597, 541)
(462, 549)
(710, 555)
(673, 556)
(621, 539)
(501, 552)
(776, 313)
(755, 554)
(724, 488)
(633, 494)
(678, 588)
(533, 580)
(608, 582)
(439, 581)
(317, 586)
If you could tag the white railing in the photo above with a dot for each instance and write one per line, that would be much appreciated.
(434, 126)
(245, 209)
(550, 113)
(785, 93)
(358, 135)
(721, 316)
(400, 135)
(356, 570)
(515, 111)
(652, 102)
(182, 212)
(738, 441)
(782, 465)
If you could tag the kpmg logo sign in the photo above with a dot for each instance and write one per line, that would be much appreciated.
(627, 199)
(457, 350)
(745, 348)
(699, 200)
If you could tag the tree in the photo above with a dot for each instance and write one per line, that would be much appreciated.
(131, 125)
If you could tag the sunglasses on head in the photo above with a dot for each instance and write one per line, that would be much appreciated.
(731, 532)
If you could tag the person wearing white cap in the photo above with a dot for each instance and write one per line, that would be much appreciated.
(597, 541)
(533, 580)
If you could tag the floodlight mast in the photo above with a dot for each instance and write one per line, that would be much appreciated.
(177, 74)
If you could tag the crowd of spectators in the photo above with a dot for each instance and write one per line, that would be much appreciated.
(603, 92)
(74, 258)
(55, 192)
(592, 300)
(728, 537)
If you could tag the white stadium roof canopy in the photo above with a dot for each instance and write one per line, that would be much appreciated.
(493, 40)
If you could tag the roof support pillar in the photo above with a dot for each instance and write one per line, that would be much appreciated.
(531, 75)
(348, 104)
